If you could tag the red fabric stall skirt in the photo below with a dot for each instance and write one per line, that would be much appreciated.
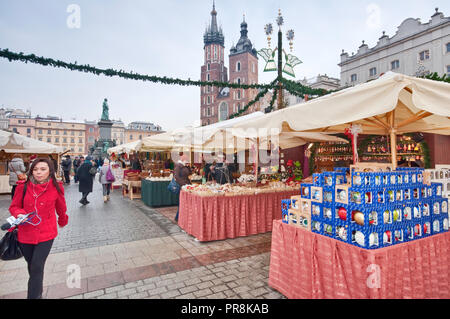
(220, 217)
(306, 265)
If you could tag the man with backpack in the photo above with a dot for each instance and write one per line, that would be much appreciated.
(66, 166)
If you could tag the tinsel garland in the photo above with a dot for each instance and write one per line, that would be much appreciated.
(12, 56)
(256, 99)
(434, 76)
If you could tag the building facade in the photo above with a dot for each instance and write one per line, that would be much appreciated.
(318, 82)
(118, 132)
(91, 134)
(138, 130)
(416, 49)
(23, 125)
(70, 135)
(217, 104)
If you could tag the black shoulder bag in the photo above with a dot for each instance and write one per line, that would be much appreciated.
(9, 245)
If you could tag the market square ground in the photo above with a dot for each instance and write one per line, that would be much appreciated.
(124, 249)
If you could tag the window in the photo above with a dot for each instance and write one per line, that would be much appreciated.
(40, 139)
(57, 139)
(373, 71)
(209, 99)
(448, 47)
(15, 130)
(40, 131)
(208, 113)
(49, 131)
(238, 66)
(207, 77)
(223, 111)
(80, 149)
(24, 122)
(72, 140)
(238, 94)
(72, 133)
(448, 71)
(81, 133)
(238, 107)
(49, 124)
(28, 130)
(215, 52)
(353, 78)
(253, 67)
(140, 137)
(91, 130)
(209, 67)
(238, 81)
(424, 55)
(65, 140)
(80, 140)
(91, 139)
(395, 64)
(49, 140)
(131, 137)
(65, 132)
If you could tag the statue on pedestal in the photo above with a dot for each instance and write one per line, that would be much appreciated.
(105, 113)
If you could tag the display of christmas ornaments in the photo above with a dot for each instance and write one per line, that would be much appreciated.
(371, 209)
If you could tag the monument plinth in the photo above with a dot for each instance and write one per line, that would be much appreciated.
(104, 142)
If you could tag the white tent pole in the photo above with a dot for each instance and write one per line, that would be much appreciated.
(393, 132)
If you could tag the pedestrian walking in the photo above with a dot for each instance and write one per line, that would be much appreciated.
(66, 166)
(41, 194)
(76, 164)
(85, 174)
(16, 172)
(106, 178)
(181, 175)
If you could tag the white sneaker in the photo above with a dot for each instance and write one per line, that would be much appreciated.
(105, 199)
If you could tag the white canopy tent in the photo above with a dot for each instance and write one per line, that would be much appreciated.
(126, 148)
(16, 143)
(393, 104)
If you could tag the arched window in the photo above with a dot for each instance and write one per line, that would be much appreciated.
(238, 107)
(223, 111)
(238, 66)
(209, 67)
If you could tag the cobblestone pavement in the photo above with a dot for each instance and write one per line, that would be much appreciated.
(124, 249)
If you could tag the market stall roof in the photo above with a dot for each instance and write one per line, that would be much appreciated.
(394, 102)
(126, 148)
(16, 143)
(222, 137)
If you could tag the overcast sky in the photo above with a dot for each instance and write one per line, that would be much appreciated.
(165, 38)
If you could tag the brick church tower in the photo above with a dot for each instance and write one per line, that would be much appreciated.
(217, 104)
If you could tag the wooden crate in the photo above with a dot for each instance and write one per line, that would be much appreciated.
(316, 194)
(371, 167)
(338, 190)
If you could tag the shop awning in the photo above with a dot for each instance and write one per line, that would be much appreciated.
(16, 143)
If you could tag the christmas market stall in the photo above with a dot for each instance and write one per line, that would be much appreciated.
(371, 230)
(246, 205)
(12, 143)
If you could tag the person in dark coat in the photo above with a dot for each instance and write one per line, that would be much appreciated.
(76, 163)
(66, 166)
(86, 180)
(181, 174)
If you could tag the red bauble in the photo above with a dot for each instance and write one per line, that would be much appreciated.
(342, 213)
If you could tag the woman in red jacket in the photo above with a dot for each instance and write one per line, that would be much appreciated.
(42, 194)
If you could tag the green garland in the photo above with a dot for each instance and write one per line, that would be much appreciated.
(256, 99)
(12, 56)
(434, 76)
(426, 154)
(294, 88)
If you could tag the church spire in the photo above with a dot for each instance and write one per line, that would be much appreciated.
(213, 34)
